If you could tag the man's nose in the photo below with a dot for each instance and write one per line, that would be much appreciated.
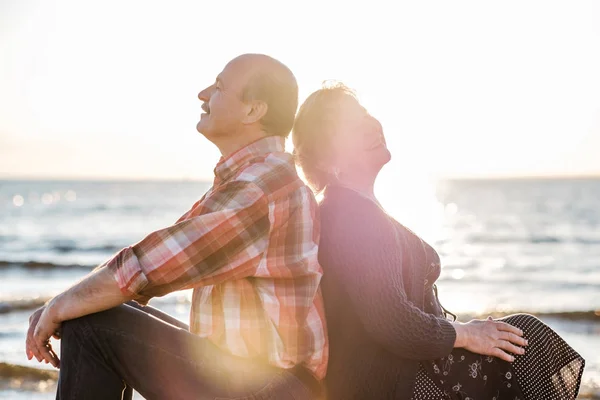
(204, 95)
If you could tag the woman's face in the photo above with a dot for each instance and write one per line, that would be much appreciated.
(358, 143)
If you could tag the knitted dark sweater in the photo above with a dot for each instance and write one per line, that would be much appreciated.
(376, 288)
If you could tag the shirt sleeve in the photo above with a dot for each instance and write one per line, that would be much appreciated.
(222, 239)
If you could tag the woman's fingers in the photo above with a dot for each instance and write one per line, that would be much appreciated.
(496, 338)
(496, 352)
(503, 326)
(511, 348)
(512, 338)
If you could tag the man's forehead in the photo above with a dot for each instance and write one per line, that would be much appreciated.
(238, 67)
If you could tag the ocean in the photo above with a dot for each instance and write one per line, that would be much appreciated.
(506, 246)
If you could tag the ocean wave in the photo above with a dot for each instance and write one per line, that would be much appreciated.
(41, 265)
(545, 239)
(534, 275)
(24, 304)
(586, 241)
(571, 316)
(16, 305)
(69, 248)
(537, 239)
(512, 239)
(8, 306)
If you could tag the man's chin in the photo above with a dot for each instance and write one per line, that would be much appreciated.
(201, 127)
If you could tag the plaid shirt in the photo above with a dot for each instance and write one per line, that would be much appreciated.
(249, 250)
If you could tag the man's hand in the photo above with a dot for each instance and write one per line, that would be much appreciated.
(41, 328)
(98, 291)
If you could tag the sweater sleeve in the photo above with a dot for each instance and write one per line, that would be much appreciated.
(356, 252)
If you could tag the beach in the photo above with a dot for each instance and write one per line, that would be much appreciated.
(506, 246)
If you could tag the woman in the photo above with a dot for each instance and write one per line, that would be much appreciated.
(389, 335)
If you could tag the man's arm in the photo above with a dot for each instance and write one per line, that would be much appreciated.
(98, 291)
(222, 242)
(219, 241)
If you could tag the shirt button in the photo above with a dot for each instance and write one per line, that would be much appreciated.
(433, 264)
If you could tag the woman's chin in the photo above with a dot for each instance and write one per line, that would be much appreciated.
(388, 156)
(379, 159)
(383, 157)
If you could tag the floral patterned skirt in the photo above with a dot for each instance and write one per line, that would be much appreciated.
(550, 369)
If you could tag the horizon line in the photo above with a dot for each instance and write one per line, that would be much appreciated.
(208, 180)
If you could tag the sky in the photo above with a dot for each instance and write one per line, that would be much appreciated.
(107, 89)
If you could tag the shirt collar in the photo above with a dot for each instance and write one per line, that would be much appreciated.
(226, 167)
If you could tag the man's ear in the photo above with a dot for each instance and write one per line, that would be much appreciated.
(256, 110)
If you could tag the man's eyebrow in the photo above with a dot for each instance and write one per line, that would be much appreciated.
(219, 80)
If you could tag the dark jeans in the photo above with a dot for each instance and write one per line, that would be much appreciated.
(105, 355)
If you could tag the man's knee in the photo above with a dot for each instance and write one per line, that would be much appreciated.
(83, 325)
(71, 327)
(72, 334)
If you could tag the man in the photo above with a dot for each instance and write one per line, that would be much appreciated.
(249, 250)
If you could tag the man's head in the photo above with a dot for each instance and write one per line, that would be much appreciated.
(253, 95)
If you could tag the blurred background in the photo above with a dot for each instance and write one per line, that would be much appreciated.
(491, 112)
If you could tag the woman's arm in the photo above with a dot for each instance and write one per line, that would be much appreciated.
(356, 252)
(356, 249)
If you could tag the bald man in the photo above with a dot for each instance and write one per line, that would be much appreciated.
(248, 248)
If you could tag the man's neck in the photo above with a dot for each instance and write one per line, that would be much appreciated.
(230, 144)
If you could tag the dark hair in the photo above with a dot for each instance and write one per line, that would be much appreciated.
(312, 131)
(277, 87)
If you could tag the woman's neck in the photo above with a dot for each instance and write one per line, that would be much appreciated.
(365, 188)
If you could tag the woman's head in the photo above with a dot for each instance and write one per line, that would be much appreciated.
(336, 140)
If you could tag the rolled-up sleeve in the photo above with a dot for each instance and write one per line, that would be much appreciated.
(221, 239)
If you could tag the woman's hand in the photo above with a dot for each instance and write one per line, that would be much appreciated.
(490, 338)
